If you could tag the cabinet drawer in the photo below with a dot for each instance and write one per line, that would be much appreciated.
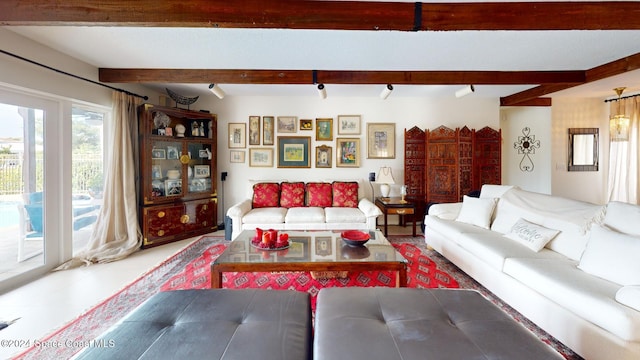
(400, 211)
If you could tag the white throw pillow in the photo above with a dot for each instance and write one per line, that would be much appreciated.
(477, 211)
(612, 256)
(629, 296)
(623, 217)
(531, 235)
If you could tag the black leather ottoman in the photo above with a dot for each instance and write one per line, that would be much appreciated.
(400, 323)
(212, 324)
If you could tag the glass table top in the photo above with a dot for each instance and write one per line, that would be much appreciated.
(311, 246)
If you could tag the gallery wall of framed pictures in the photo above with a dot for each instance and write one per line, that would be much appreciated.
(324, 142)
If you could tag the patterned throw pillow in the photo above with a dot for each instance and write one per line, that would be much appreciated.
(291, 194)
(266, 195)
(345, 194)
(318, 194)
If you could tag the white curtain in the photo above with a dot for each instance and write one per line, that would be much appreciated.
(623, 155)
(116, 233)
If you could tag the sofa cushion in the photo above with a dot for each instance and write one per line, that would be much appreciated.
(573, 218)
(291, 194)
(266, 195)
(450, 228)
(531, 235)
(623, 217)
(612, 256)
(587, 296)
(319, 194)
(629, 296)
(494, 191)
(299, 215)
(344, 215)
(345, 194)
(495, 249)
(477, 211)
(270, 215)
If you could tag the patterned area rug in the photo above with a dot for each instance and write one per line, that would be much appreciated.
(189, 269)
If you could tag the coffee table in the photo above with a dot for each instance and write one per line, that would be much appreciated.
(310, 251)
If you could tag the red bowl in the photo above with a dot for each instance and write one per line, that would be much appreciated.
(355, 237)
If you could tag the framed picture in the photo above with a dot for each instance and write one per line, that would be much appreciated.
(381, 141)
(323, 156)
(324, 245)
(287, 124)
(306, 124)
(158, 154)
(237, 135)
(261, 157)
(236, 156)
(347, 152)
(267, 130)
(156, 172)
(324, 129)
(173, 187)
(293, 151)
(254, 130)
(348, 124)
(201, 171)
(172, 153)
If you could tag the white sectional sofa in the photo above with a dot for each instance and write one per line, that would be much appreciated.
(291, 205)
(582, 286)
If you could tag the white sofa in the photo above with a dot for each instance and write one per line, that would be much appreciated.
(361, 216)
(582, 287)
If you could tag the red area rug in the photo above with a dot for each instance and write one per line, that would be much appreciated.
(189, 269)
(422, 272)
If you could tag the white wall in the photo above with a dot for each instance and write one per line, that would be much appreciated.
(404, 112)
(513, 122)
(576, 113)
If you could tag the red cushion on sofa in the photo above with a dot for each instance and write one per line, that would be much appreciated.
(345, 194)
(292, 194)
(266, 195)
(319, 194)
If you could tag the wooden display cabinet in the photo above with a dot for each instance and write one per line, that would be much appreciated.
(178, 194)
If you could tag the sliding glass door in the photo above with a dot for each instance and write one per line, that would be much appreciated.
(30, 191)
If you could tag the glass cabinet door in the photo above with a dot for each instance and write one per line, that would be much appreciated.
(166, 169)
(199, 171)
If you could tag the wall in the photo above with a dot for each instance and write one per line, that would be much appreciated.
(473, 112)
(575, 113)
(513, 123)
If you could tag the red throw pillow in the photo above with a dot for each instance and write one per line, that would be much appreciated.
(266, 195)
(291, 194)
(319, 194)
(345, 194)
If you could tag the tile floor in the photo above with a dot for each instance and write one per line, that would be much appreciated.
(59, 297)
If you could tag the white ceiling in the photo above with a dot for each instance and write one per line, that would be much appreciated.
(284, 49)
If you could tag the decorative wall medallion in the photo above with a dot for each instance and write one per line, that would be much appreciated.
(526, 145)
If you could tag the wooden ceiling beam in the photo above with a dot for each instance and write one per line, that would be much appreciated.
(616, 67)
(328, 15)
(338, 77)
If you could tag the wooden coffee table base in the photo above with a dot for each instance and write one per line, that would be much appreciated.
(218, 269)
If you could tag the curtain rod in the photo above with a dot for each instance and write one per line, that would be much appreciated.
(72, 75)
(623, 97)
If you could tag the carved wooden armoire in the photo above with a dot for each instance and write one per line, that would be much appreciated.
(443, 164)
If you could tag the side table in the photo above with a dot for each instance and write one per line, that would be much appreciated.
(395, 206)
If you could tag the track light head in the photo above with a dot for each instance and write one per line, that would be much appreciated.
(465, 91)
(217, 91)
(386, 91)
(322, 92)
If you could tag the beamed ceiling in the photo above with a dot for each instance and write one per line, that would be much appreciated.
(522, 52)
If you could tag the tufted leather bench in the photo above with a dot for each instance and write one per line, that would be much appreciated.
(212, 324)
(404, 323)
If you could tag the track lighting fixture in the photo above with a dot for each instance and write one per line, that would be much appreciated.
(386, 91)
(215, 89)
(322, 92)
(465, 91)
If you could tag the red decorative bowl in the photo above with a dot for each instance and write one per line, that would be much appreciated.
(355, 237)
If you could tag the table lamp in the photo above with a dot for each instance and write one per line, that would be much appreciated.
(385, 179)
